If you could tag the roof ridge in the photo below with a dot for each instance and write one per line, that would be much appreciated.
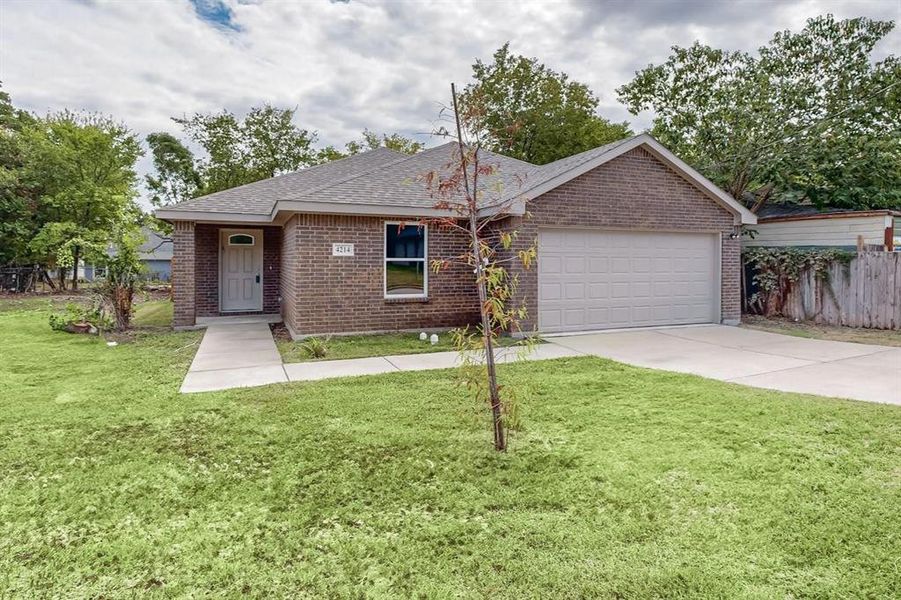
(607, 147)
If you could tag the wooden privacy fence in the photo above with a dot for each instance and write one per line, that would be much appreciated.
(864, 293)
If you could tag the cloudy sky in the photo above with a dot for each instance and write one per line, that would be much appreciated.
(348, 65)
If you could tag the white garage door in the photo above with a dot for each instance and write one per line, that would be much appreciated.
(591, 279)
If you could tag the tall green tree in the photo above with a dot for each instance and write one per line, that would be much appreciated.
(812, 116)
(175, 178)
(531, 112)
(265, 143)
(84, 167)
(17, 196)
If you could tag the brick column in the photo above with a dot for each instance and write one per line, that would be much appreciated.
(183, 273)
(731, 281)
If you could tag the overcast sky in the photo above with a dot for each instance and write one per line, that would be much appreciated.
(348, 65)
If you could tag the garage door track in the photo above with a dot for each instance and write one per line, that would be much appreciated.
(756, 358)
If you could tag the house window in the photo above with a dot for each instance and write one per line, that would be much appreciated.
(240, 239)
(406, 271)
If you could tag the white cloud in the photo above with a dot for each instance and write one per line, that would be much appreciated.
(350, 65)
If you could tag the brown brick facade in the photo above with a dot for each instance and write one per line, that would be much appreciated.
(183, 273)
(346, 294)
(322, 293)
(633, 191)
(195, 271)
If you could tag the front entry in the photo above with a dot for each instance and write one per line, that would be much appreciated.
(240, 270)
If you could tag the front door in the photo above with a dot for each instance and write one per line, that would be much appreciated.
(241, 270)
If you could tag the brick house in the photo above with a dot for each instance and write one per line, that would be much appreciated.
(628, 236)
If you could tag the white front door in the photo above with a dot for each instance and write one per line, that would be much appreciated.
(241, 270)
(595, 279)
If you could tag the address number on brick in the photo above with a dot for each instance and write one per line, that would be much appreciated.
(342, 249)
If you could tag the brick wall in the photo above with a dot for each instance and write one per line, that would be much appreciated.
(346, 294)
(183, 273)
(633, 191)
(289, 272)
(206, 269)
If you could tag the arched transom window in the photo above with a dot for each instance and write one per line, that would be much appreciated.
(240, 239)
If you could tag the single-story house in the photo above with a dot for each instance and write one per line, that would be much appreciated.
(628, 235)
(156, 255)
(804, 226)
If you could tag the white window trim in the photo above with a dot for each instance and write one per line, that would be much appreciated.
(424, 259)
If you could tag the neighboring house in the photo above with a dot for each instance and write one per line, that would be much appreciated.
(628, 235)
(156, 255)
(805, 226)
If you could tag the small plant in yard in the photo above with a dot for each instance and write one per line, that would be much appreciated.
(315, 347)
(77, 318)
(463, 189)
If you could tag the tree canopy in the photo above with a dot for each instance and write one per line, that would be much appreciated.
(176, 177)
(370, 140)
(265, 143)
(521, 108)
(83, 165)
(811, 117)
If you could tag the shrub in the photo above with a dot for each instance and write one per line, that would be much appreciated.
(78, 318)
(315, 347)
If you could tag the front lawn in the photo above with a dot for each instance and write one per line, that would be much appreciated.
(153, 313)
(624, 483)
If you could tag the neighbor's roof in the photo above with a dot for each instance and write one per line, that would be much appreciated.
(155, 246)
(792, 211)
(386, 182)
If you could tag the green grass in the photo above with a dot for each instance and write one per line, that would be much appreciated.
(624, 483)
(153, 313)
(362, 346)
(811, 330)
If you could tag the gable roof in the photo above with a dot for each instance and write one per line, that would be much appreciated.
(384, 182)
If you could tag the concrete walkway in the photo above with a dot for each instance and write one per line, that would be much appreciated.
(230, 356)
(245, 355)
(756, 358)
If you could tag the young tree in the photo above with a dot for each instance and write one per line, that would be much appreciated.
(84, 167)
(464, 188)
(264, 144)
(811, 117)
(123, 269)
(535, 114)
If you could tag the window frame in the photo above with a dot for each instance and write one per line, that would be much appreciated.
(424, 260)
(253, 239)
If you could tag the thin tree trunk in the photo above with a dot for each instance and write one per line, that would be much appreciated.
(76, 254)
(500, 443)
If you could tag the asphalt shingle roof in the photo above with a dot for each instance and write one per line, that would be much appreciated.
(387, 178)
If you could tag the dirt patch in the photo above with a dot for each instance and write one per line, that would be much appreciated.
(280, 333)
(807, 329)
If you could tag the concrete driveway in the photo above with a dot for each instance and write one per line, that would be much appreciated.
(755, 358)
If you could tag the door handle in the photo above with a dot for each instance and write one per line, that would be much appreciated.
(258, 277)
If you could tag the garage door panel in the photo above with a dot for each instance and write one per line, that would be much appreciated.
(595, 279)
(574, 264)
(549, 292)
